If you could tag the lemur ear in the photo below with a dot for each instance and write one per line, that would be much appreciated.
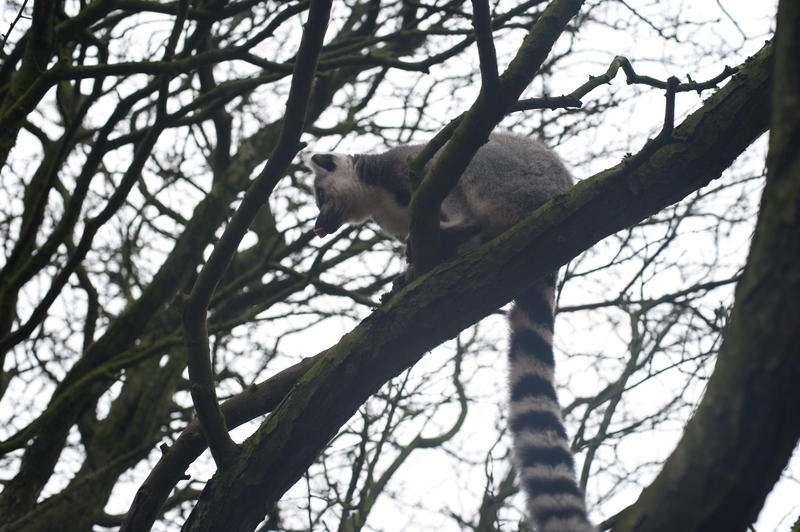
(323, 161)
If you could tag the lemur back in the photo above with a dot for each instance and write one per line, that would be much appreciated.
(508, 178)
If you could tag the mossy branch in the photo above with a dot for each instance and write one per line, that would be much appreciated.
(743, 432)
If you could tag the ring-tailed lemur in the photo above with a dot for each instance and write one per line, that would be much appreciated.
(508, 178)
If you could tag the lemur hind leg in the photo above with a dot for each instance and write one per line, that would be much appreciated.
(458, 239)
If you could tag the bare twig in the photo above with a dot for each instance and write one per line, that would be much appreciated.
(633, 78)
(669, 111)
(554, 102)
(732, 20)
(11, 26)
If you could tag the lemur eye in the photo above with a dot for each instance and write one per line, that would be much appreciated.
(324, 160)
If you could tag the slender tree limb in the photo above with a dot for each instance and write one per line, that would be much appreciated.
(482, 22)
(671, 85)
(632, 78)
(416, 166)
(552, 102)
(196, 305)
(669, 108)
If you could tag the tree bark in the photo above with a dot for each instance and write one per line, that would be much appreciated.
(744, 431)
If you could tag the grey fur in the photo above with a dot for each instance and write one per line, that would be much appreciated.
(508, 178)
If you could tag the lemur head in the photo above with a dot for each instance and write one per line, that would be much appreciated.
(339, 192)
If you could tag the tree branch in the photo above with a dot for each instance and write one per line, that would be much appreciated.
(201, 373)
(745, 429)
(482, 22)
(632, 78)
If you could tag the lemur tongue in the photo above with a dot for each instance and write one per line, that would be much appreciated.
(320, 232)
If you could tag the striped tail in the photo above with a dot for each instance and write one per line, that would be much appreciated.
(541, 448)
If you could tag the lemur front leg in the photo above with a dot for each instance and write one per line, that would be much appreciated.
(454, 240)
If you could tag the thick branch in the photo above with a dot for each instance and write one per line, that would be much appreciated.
(743, 433)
